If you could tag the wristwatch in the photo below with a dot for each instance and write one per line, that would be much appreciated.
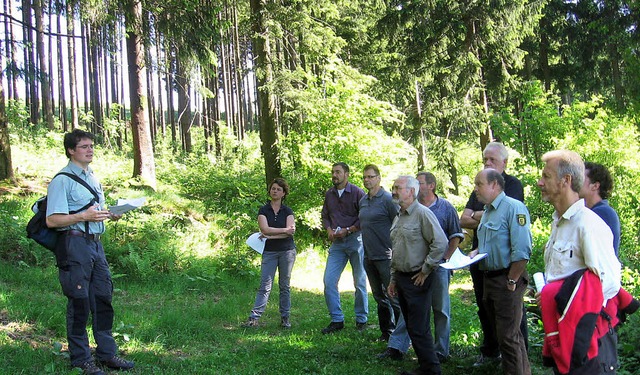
(512, 281)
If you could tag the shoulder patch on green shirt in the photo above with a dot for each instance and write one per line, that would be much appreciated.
(522, 219)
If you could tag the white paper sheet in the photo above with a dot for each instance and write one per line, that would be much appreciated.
(459, 260)
(256, 243)
(126, 205)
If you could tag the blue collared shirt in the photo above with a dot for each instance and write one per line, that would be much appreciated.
(65, 195)
(504, 233)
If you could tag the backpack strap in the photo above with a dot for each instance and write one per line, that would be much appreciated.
(86, 185)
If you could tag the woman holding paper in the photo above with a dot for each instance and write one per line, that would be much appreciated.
(277, 225)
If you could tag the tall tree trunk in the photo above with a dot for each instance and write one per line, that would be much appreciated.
(143, 159)
(184, 110)
(159, 58)
(8, 51)
(71, 46)
(45, 79)
(30, 63)
(61, 87)
(6, 166)
(266, 102)
(85, 65)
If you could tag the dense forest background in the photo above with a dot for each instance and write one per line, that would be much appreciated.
(409, 85)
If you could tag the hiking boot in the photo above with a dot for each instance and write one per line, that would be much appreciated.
(333, 327)
(90, 368)
(284, 322)
(484, 360)
(391, 353)
(250, 323)
(117, 363)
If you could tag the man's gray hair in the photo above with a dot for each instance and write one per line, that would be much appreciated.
(569, 163)
(504, 154)
(411, 183)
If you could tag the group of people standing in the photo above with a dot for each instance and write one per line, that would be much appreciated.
(399, 239)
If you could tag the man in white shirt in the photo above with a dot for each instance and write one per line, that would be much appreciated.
(579, 238)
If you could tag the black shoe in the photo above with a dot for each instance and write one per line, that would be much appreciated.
(484, 360)
(117, 363)
(384, 337)
(284, 322)
(90, 367)
(361, 326)
(442, 358)
(333, 327)
(391, 353)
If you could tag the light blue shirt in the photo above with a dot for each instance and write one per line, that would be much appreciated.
(65, 194)
(504, 233)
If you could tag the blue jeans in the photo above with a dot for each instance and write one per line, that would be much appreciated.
(379, 274)
(441, 305)
(441, 310)
(283, 261)
(348, 249)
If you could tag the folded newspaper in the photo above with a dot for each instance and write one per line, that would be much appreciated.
(459, 260)
(126, 205)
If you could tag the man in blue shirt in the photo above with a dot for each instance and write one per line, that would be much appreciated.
(340, 219)
(82, 266)
(377, 212)
(504, 235)
(595, 191)
(495, 156)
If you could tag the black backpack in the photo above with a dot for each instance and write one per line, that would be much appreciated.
(37, 228)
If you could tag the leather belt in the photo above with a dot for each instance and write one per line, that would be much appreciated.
(496, 273)
(79, 233)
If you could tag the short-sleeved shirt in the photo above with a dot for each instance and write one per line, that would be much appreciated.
(342, 210)
(504, 233)
(278, 220)
(65, 194)
(418, 240)
(447, 217)
(376, 216)
(610, 217)
(581, 239)
(512, 188)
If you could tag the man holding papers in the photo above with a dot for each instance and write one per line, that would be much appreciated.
(504, 235)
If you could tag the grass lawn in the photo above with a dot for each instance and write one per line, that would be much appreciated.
(190, 324)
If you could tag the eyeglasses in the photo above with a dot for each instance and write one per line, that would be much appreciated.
(85, 147)
(369, 177)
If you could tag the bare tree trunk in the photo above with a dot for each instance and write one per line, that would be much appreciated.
(45, 79)
(6, 166)
(184, 110)
(61, 87)
(170, 84)
(71, 45)
(143, 159)
(85, 64)
(8, 30)
(159, 58)
(266, 102)
(31, 82)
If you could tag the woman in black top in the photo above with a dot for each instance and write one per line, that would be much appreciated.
(277, 225)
